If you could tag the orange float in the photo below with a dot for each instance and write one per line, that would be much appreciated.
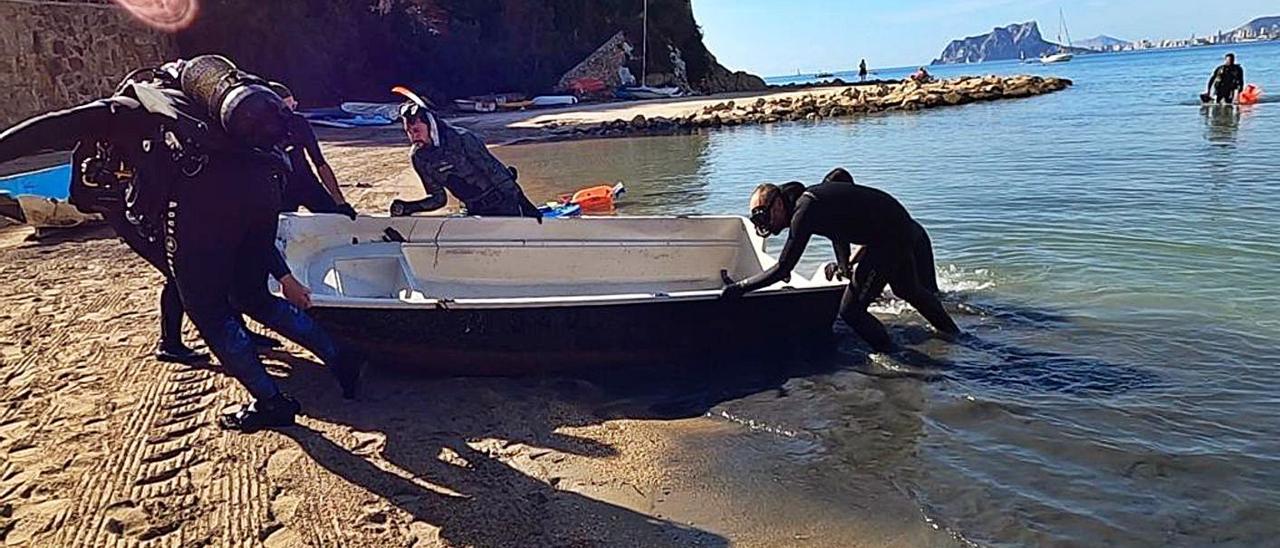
(1251, 95)
(597, 199)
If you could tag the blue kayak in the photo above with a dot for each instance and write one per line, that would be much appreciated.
(53, 182)
(560, 211)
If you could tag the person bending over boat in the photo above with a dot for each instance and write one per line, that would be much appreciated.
(197, 143)
(452, 158)
(926, 271)
(302, 188)
(847, 214)
(1227, 81)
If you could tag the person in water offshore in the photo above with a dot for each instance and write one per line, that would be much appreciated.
(1227, 81)
(895, 249)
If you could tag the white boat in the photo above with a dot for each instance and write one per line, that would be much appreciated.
(1063, 55)
(504, 296)
(646, 92)
(1056, 58)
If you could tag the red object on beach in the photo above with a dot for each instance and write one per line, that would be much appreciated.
(587, 86)
(1251, 95)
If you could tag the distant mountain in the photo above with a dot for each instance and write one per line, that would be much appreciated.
(1017, 41)
(1100, 43)
(1271, 25)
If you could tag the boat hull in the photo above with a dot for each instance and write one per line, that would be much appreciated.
(546, 339)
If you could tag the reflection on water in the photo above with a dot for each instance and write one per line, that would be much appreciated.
(1110, 249)
(1222, 122)
(662, 176)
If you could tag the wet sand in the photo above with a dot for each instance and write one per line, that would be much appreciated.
(102, 445)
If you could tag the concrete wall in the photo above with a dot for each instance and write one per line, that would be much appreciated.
(55, 54)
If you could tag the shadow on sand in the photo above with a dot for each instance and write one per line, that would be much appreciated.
(474, 497)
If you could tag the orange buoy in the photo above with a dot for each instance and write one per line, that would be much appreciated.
(597, 198)
(1251, 95)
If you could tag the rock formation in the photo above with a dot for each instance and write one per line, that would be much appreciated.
(1100, 43)
(824, 104)
(1017, 41)
(332, 50)
(1269, 26)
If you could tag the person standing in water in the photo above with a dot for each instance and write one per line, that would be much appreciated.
(1227, 81)
(862, 71)
(848, 214)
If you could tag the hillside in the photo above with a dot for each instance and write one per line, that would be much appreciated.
(330, 50)
(1017, 41)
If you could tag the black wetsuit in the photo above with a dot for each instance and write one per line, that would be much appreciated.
(302, 187)
(217, 224)
(1226, 82)
(896, 253)
(462, 164)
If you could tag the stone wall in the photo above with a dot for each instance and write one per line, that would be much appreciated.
(55, 54)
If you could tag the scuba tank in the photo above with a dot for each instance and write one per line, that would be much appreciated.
(199, 107)
(242, 104)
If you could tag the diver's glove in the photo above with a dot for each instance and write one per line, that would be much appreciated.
(732, 292)
(731, 289)
(347, 210)
(834, 271)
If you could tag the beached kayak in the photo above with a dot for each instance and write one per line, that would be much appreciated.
(556, 210)
(39, 198)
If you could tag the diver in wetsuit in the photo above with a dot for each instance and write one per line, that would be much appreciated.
(452, 158)
(848, 214)
(96, 161)
(302, 187)
(926, 272)
(204, 186)
(1227, 80)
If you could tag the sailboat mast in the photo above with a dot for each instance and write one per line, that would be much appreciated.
(644, 48)
(1062, 20)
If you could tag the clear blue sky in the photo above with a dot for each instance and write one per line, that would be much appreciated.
(778, 37)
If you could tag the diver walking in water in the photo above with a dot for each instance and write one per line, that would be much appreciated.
(1227, 81)
(848, 214)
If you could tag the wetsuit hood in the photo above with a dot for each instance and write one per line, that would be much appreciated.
(791, 193)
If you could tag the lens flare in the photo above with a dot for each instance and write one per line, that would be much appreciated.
(164, 15)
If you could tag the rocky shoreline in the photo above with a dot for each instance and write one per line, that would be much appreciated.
(828, 103)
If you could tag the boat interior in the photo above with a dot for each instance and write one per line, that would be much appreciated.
(381, 261)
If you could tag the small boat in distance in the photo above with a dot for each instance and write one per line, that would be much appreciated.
(1063, 55)
(824, 75)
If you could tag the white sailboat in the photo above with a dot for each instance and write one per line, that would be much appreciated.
(1063, 55)
(644, 91)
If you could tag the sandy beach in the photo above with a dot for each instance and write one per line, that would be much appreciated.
(101, 445)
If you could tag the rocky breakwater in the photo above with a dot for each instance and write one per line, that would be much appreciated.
(822, 104)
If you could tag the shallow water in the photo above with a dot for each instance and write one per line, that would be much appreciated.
(1111, 250)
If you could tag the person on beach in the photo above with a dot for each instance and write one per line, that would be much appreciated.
(446, 157)
(921, 76)
(1227, 81)
(302, 188)
(862, 71)
(848, 214)
(197, 169)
